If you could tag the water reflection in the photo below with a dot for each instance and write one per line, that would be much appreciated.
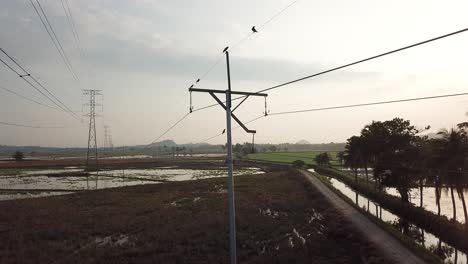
(445, 251)
(40, 183)
(429, 201)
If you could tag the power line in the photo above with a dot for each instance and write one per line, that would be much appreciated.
(27, 126)
(368, 104)
(235, 45)
(170, 128)
(60, 104)
(277, 14)
(53, 36)
(58, 41)
(32, 85)
(264, 24)
(27, 74)
(220, 134)
(245, 38)
(27, 98)
(347, 65)
(366, 59)
(347, 106)
(66, 10)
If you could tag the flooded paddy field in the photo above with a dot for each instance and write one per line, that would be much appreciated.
(446, 252)
(280, 218)
(38, 183)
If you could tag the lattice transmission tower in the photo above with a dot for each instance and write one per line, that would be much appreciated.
(92, 153)
(108, 139)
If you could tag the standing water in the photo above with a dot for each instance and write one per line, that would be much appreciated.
(431, 242)
(39, 183)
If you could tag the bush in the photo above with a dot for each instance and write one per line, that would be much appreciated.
(18, 156)
(322, 159)
(298, 163)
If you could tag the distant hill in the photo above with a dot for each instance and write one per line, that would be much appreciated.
(303, 142)
(167, 143)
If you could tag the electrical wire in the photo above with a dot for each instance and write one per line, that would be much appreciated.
(64, 54)
(232, 47)
(27, 126)
(369, 104)
(66, 10)
(345, 106)
(366, 59)
(220, 57)
(169, 129)
(53, 37)
(347, 65)
(27, 98)
(277, 14)
(27, 74)
(217, 135)
(60, 104)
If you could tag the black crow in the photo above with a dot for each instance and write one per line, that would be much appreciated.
(254, 30)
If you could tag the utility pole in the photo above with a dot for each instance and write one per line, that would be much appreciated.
(229, 115)
(92, 153)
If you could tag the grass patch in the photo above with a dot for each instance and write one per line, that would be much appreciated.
(11, 172)
(289, 157)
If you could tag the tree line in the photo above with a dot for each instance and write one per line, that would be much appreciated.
(401, 157)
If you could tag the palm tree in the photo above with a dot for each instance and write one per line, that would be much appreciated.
(452, 157)
(438, 187)
(353, 158)
(461, 196)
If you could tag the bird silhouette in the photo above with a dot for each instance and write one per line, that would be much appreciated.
(254, 30)
(191, 86)
(225, 49)
(198, 80)
(224, 130)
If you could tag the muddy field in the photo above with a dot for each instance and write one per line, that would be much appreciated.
(279, 219)
(107, 163)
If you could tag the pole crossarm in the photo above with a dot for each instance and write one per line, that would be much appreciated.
(224, 91)
(232, 114)
(212, 92)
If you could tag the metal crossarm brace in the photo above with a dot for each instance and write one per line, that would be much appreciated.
(232, 114)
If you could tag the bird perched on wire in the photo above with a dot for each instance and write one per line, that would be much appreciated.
(224, 130)
(225, 49)
(197, 80)
(254, 30)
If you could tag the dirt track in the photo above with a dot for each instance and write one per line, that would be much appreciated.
(393, 249)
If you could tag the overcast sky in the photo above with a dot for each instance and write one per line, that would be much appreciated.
(144, 55)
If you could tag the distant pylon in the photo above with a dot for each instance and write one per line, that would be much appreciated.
(108, 138)
(92, 153)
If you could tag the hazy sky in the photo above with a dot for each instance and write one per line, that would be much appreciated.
(145, 54)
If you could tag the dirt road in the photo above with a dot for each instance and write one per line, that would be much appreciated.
(382, 240)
